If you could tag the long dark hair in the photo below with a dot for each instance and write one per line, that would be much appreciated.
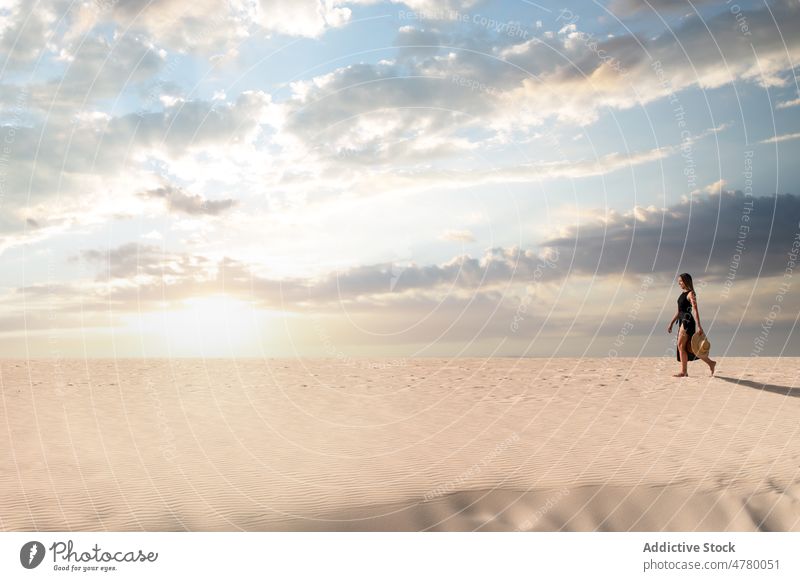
(687, 280)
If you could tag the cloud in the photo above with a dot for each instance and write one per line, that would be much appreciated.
(178, 200)
(206, 27)
(25, 29)
(630, 7)
(82, 74)
(308, 18)
(437, 9)
(365, 120)
(144, 276)
(417, 43)
(504, 88)
(575, 75)
(788, 104)
(779, 138)
(186, 125)
(458, 236)
(361, 182)
(133, 260)
(475, 298)
(65, 145)
(70, 171)
(710, 236)
(96, 67)
(359, 107)
(347, 128)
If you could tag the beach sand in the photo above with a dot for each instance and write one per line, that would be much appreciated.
(501, 444)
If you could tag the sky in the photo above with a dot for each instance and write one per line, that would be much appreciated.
(291, 178)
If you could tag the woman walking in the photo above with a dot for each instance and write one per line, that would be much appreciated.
(686, 326)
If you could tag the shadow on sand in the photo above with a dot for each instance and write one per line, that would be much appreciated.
(780, 389)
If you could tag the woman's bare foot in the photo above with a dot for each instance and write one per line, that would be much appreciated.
(680, 375)
(713, 366)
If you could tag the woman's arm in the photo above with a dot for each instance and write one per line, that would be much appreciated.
(693, 298)
(672, 322)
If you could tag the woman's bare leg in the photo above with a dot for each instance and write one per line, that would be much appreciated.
(710, 362)
(682, 340)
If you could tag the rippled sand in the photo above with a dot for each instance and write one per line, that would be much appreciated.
(433, 444)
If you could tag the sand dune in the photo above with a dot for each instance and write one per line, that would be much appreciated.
(418, 444)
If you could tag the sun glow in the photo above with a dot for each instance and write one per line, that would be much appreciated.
(210, 326)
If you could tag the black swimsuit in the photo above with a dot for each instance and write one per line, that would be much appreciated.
(686, 320)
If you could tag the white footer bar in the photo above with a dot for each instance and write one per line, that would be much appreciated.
(401, 556)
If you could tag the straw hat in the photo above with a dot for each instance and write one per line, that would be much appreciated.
(700, 344)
